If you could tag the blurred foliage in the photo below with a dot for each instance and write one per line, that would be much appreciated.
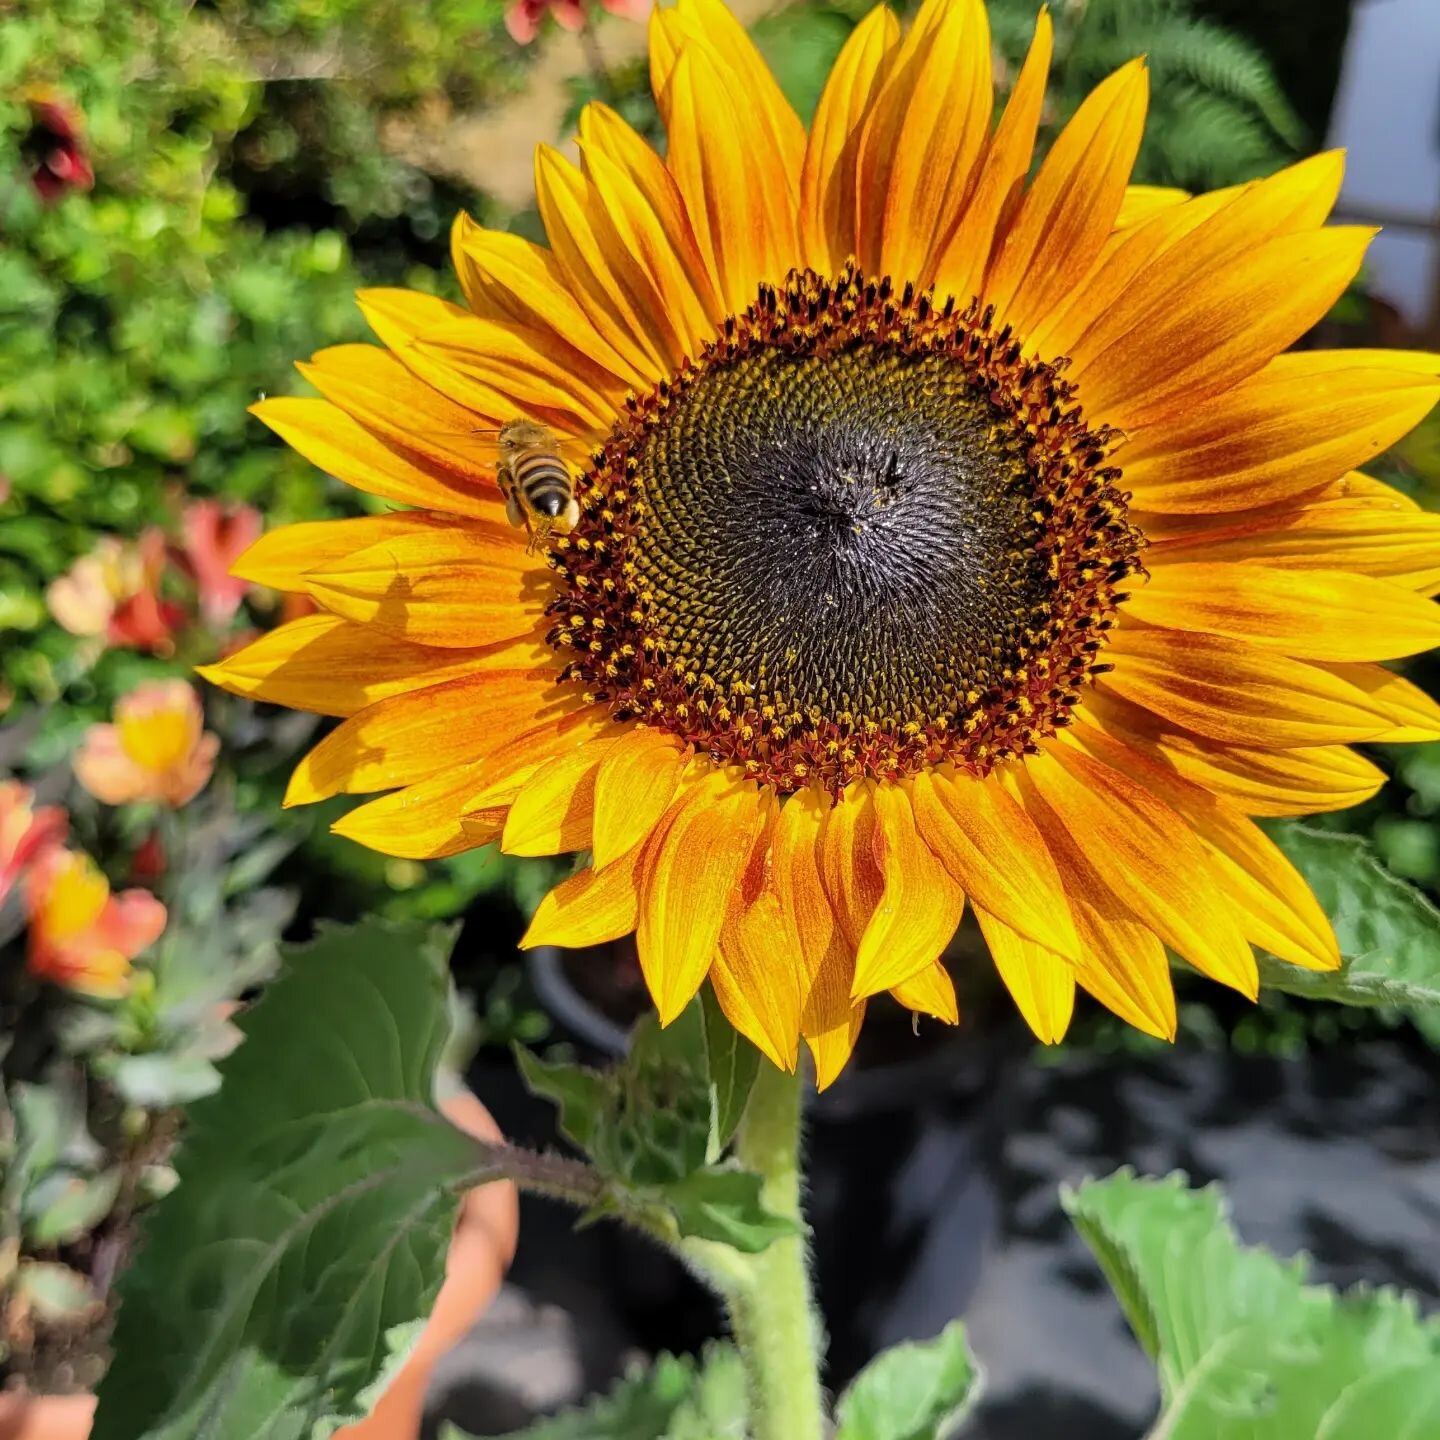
(1217, 113)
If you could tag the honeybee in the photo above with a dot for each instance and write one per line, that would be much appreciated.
(535, 478)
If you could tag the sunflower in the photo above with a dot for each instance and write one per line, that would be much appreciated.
(945, 534)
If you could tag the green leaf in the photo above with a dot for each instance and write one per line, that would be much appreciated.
(639, 1407)
(920, 1390)
(733, 1063)
(1245, 1349)
(724, 1205)
(1389, 933)
(62, 1208)
(580, 1094)
(55, 1292)
(715, 1408)
(317, 1193)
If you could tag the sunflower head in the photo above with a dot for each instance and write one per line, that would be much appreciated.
(942, 536)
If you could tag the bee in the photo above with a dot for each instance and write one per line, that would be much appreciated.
(535, 478)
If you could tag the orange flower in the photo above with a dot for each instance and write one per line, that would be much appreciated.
(215, 536)
(114, 591)
(81, 935)
(25, 832)
(157, 749)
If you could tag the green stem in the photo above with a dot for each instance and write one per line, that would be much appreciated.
(771, 1310)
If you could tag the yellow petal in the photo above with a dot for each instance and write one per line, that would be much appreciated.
(733, 177)
(996, 854)
(281, 557)
(1147, 856)
(457, 586)
(700, 854)
(920, 905)
(830, 1020)
(591, 907)
(852, 877)
(329, 438)
(1407, 712)
(420, 822)
(1070, 210)
(1301, 421)
(645, 204)
(961, 262)
(922, 140)
(410, 737)
(1235, 693)
(1260, 781)
(505, 276)
(1232, 224)
(1402, 546)
(828, 179)
(327, 665)
(1122, 962)
(508, 372)
(757, 975)
(555, 810)
(633, 789)
(1311, 614)
(709, 27)
(1039, 981)
(1201, 341)
(930, 992)
(1141, 202)
(424, 426)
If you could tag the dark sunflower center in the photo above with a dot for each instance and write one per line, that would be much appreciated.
(856, 537)
(849, 532)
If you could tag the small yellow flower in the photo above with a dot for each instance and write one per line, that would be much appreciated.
(82, 936)
(948, 537)
(157, 749)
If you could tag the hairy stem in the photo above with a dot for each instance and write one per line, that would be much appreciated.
(771, 1309)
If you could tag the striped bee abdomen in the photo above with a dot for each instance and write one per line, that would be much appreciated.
(544, 483)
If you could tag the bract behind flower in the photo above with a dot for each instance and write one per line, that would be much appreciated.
(81, 935)
(157, 749)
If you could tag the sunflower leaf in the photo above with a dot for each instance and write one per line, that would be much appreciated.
(580, 1094)
(722, 1204)
(1245, 1349)
(733, 1063)
(1389, 933)
(674, 1399)
(317, 1193)
(919, 1390)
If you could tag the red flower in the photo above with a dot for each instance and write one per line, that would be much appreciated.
(215, 536)
(114, 591)
(523, 17)
(54, 149)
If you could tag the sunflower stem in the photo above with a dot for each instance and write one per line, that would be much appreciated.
(771, 1308)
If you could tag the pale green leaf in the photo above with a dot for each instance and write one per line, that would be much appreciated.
(919, 1390)
(1389, 933)
(733, 1063)
(317, 1193)
(1246, 1350)
(639, 1407)
(62, 1208)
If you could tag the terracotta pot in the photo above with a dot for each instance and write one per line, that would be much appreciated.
(480, 1253)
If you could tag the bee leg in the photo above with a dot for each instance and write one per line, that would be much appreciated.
(513, 513)
(571, 517)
